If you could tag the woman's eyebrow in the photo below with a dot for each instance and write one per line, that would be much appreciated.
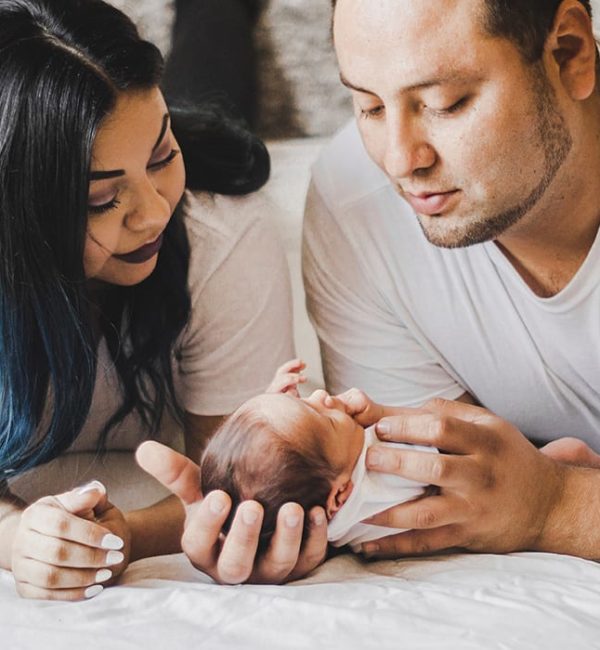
(115, 173)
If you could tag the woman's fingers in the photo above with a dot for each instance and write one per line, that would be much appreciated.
(45, 518)
(282, 555)
(26, 590)
(314, 550)
(61, 553)
(47, 576)
(175, 471)
(201, 537)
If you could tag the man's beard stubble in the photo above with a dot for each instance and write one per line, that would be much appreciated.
(557, 142)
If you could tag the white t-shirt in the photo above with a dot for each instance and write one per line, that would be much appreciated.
(372, 492)
(407, 321)
(240, 328)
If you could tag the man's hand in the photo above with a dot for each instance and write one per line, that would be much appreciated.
(232, 559)
(495, 489)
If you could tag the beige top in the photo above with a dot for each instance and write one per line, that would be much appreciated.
(240, 327)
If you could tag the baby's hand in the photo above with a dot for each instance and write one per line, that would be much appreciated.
(68, 546)
(361, 407)
(287, 378)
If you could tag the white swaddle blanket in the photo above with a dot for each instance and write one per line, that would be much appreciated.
(373, 492)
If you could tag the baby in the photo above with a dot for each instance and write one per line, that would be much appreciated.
(279, 447)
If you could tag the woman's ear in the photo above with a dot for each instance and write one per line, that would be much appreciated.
(340, 491)
(573, 47)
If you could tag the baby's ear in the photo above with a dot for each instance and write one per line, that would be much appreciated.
(339, 494)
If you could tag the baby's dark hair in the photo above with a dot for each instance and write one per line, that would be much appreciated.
(249, 459)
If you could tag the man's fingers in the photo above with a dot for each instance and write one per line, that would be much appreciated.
(433, 430)
(457, 409)
(414, 542)
(426, 513)
(176, 472)
(314, 549)
(236, 559)
(443, 470)
(282, 555)
(204, 522)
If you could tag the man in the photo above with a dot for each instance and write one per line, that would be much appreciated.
(462, 264)
(450, 255)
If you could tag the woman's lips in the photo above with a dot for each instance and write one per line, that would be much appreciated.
(143, 254)
(430, 204)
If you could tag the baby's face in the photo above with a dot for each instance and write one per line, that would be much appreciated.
(341, 437)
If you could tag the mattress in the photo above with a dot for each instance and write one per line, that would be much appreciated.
(518, 601)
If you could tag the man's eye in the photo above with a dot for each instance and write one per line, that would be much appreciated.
(454, 108)
(371, 112)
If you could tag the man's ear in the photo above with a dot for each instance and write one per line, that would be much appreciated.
(573, 47)
(340, 491)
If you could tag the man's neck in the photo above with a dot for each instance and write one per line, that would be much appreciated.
(548, 246)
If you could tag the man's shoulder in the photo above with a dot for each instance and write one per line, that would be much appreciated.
(343, 172)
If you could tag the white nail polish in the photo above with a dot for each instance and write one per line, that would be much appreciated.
(292, 521)
(113, 542)
(91, 486)
(92, 591)
(103, 575)
(114, 557)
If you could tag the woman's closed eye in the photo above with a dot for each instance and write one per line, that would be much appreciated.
(160, 164)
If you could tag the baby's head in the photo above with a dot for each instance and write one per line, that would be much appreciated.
(277, 449)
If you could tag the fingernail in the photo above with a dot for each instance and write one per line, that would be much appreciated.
(92, 591)
(112, 542)
(216, 504)
(318, 519)
(373, 459)
(103, 575)
(368, 549)
(249, 517)
(114, 557)
(291, 521)
(91, 486)
(384, 428)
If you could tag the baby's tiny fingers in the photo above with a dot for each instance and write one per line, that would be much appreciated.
(294, 365)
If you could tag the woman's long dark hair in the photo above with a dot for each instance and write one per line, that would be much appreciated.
(62, 65)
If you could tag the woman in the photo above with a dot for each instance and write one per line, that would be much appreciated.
(129, 307)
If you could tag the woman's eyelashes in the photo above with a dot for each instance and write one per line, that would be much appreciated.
(159, 164)
(153, 166)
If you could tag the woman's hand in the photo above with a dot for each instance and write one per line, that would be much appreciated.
(287, 377)
(232, 559)
(68, 546)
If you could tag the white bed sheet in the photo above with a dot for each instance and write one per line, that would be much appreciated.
(462, 602)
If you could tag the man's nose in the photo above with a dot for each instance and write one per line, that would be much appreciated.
(407, 151)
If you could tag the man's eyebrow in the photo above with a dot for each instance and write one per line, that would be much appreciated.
(115, 173)
(422, 85)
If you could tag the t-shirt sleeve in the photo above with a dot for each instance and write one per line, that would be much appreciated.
(240, 330)
(364, 341)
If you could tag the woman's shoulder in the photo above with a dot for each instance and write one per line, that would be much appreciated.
(219, 227)
(227, 218)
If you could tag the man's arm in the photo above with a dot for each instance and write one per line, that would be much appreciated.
(497, 492)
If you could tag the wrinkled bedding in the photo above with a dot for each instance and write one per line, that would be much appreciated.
(520, 601)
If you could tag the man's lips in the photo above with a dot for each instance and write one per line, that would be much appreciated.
(142, 254)
(430, 203)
